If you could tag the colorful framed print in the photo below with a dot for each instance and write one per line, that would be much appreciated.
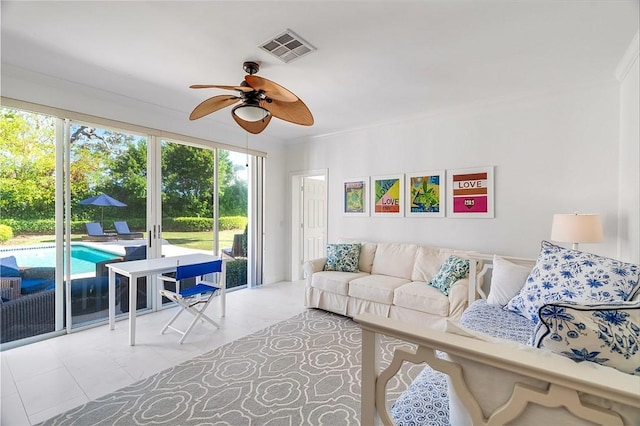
(355, 197)
(425, 194)
(387, 194)
(470, 192)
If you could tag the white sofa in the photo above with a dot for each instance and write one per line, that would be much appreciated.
(392, 282)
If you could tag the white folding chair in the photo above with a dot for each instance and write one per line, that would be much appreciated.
(188, 299)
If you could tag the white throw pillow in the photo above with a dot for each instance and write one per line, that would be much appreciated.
(507, 279)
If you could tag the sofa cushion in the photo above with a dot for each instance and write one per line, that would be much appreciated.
(9, 267)
(376, 288)
(395, 260)
(573, 276)
(507, 279)
(421, 297)
(429, 260)
(452, 270)
(335, 281)
(342, 257)
(606, 334)
(367, 254)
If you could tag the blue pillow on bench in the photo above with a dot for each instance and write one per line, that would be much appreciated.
(9, 267)
(34, 285)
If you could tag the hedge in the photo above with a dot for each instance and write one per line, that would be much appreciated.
(236, 273)
(177, 224)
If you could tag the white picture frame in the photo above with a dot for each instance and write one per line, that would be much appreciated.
(425, 194)
(470, 193)
(355, 197)
(387, 195)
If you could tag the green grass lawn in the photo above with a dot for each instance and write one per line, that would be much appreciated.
(194, 240)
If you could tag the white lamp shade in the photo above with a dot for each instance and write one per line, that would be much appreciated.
(250, 112)
(576, 228)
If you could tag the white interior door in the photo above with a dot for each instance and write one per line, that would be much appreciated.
(314, 235)
(308, 218)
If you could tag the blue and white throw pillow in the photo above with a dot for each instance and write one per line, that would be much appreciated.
(563, 275)
(607, 334)
(452, 270)
(342, 257)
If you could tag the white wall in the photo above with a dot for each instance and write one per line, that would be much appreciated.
(556, 153)
(629, 182)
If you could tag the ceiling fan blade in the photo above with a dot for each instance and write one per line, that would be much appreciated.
(217, 86)
(293, 112)
(212, 104)
(254, 127)
(271, 89)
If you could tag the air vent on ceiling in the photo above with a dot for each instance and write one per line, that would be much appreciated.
(287, 46)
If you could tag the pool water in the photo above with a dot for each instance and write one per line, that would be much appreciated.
(83, 258)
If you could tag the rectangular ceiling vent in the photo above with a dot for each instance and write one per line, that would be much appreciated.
(287, 46)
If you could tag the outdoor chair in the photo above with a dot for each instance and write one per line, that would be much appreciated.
(95, 233)
(26, 316)
(122, 229)
(188, 299)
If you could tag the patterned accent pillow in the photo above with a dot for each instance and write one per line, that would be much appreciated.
(342, 257)
(563, 275)
(607, 334)
(453, 269)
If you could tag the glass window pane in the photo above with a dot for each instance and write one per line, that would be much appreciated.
(27, 224)
(108, 208)
(233, 226)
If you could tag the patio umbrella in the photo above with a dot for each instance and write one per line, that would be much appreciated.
(102, 200)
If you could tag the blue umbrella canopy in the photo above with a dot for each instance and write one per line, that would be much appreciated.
(102, 200)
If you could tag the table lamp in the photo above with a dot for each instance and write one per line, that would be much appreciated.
(576, 228)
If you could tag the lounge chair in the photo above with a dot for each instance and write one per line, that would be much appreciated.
(95, 233)
(122, 228)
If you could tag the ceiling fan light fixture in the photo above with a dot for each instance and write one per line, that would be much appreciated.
(248, 112)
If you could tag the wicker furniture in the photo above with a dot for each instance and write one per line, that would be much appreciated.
(10, 287)
(26, 316)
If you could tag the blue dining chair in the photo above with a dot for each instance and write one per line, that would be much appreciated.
(190, 298)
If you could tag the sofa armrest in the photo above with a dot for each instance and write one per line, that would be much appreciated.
(458, 298)
(312, 266)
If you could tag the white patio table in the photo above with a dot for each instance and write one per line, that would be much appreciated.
(139, 268)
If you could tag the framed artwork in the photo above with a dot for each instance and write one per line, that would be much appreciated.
(470, 192)
(387, 194)
(425, 194)
(355, 196)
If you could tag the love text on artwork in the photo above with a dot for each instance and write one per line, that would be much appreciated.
(469, 184)
(390, 201)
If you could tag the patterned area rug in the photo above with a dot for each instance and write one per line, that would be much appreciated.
(302, 371)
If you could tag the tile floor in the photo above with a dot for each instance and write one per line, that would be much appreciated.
(41, 380)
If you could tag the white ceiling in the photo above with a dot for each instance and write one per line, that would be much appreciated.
(376, 61)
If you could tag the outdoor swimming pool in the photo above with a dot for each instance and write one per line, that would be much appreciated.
(83, 258)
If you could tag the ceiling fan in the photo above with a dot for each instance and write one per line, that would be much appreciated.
(260, 100)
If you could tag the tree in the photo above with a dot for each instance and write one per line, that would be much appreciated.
(27, 165)
(106, 161)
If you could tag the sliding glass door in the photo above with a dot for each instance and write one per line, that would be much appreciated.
(107, 187)
(78, 194)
